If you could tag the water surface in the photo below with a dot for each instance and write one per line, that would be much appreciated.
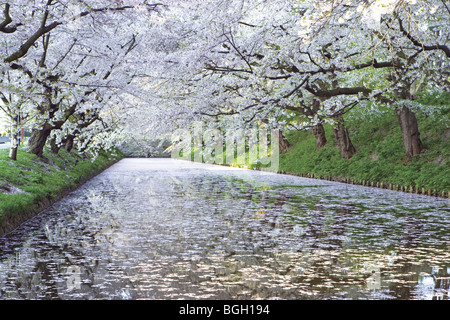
(170, 229)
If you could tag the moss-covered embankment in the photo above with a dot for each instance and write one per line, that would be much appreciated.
(380, 159)
(31, 184)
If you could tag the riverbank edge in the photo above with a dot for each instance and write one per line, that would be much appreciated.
(351, 181)
(13, 220)
(378, 185)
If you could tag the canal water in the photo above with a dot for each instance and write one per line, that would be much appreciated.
(172, 229)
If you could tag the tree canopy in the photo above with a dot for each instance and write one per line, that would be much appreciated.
(86, 73)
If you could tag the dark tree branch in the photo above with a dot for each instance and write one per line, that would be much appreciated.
(233, 44)
(23, 50)
(283, 77)
(8, 20)
(16, 66)
(4, 99)
(247, 24)
(45, 43)
(218, 114)
(296, 88)
(44, 29)
(446, 6)
(420, 44)
(225, 69)
(123, 8)
(338, 91)
(65, 55)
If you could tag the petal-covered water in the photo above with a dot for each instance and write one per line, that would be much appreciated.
(168, 229)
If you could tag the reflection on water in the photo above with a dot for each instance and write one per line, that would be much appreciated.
(166, 229)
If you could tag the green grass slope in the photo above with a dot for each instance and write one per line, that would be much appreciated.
(380, 157)
(28, 182)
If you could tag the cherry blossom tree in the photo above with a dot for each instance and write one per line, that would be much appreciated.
(122, 67)
(314, 59)
(73, 56)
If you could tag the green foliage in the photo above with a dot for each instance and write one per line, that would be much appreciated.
(440, 99)
(37, 179)
(380, 156)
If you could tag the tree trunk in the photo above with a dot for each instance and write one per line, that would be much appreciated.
(410, 132)
(68, 143)
(54, 146)
(14, 139)
(343, 141)
(13, 151)
(38, 139)
(319, 134)
(14, 145)
(285, 146)
(84, 142)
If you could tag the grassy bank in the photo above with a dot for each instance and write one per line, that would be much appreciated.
(30, 184)
(380, 159)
